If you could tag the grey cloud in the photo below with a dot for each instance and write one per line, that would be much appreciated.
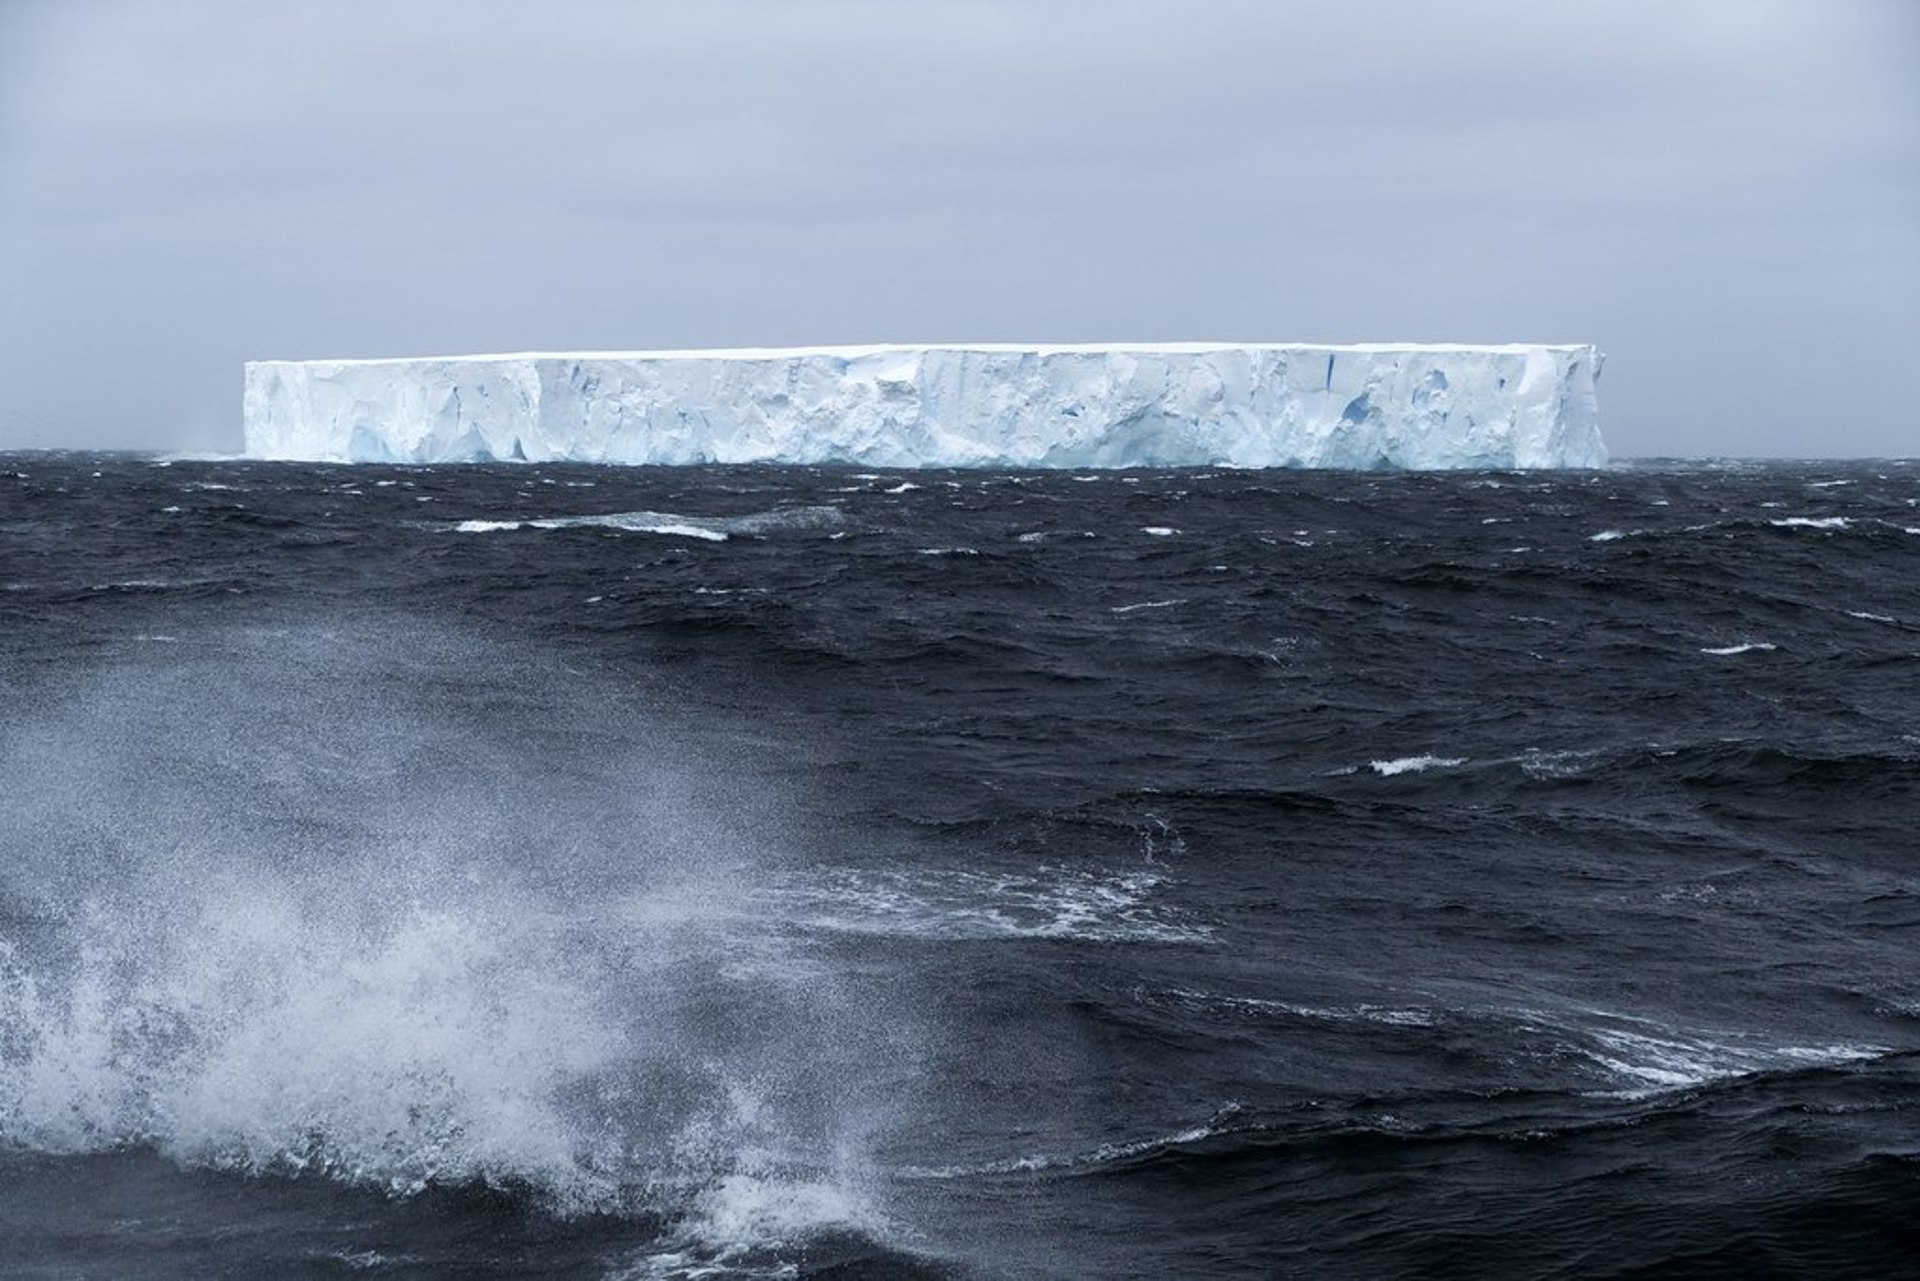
(1705, 189)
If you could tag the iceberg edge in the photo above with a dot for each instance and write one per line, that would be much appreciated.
(1361, 406)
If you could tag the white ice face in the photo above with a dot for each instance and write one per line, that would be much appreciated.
(1142, 405)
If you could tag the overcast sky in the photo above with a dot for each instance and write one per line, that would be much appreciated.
(1723, 194)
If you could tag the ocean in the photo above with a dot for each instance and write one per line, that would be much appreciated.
(533, 870)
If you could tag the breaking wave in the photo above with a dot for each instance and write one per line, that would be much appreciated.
(289, 922)
(715, 529)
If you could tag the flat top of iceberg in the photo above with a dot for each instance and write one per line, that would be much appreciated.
(853, 351)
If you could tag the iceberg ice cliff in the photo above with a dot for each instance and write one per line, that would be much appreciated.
(1137, 405)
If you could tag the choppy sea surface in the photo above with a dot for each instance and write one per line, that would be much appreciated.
(749, 872)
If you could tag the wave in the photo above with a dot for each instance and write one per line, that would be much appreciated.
(323, 930)
(1647, 1062)
(251, 1037)
(709, 528)
(1393, 1014)
(1858, 526)
(445, 1048)
(1414, 764)
(748, 1227)
(1047, 902)
(1102, 1156)
(1728, 762)
(1632, 1056)
(630, 522)
(1768, 766)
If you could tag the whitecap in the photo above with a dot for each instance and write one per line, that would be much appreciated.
(421, 1057)
(681, 531)
(745, 1209)
(1545, 765)
(361, 1260)
(1159, 531)
(1105, 1154)
(1811, 522)
(1414, 764)
(714, 529)
(740, 1226)
(1742, 648)
(1359, 1012)
(631, 525)
(1146, 604)
(1049, 902)
(1659, 1062)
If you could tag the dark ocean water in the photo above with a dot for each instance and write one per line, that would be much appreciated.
(569, 871)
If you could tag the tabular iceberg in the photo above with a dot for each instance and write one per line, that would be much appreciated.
(1140, 405)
